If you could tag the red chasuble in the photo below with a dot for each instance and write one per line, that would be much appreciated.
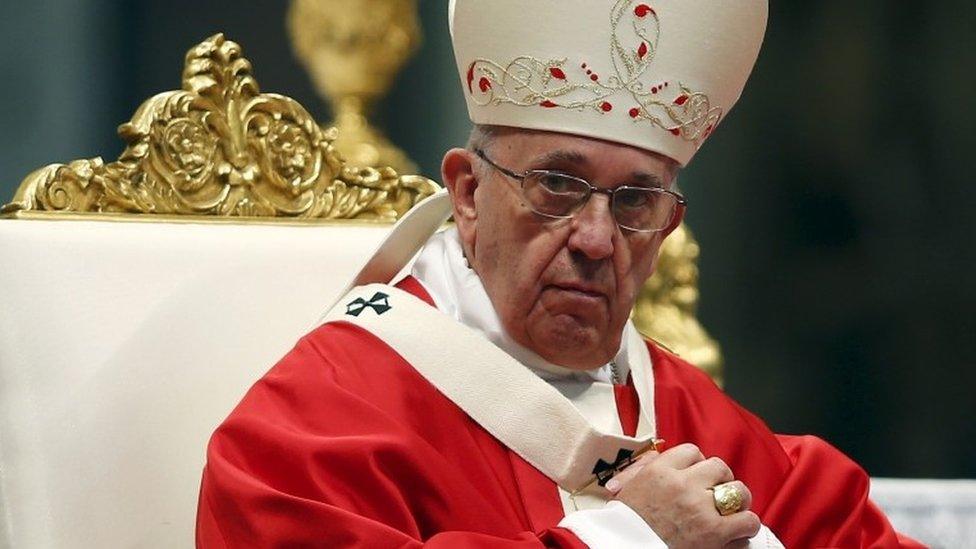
(345, 444)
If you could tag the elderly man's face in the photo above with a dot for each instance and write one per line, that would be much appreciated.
(562, 287)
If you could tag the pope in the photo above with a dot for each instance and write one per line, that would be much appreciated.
(498, 395)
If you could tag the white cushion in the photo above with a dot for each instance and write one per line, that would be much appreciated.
(123, 345)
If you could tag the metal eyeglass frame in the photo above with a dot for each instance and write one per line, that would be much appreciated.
(680, 201)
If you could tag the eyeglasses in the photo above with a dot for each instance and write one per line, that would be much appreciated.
(560, 196)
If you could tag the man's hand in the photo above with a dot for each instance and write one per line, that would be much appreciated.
(670, 491)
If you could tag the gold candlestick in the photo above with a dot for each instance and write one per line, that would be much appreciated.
(353, 51)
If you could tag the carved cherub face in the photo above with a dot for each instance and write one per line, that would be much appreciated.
(354, 51)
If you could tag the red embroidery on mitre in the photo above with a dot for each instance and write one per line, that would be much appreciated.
(709, 130)
(529, 81)
(642, 10)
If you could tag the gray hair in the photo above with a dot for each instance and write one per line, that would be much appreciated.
(482, 136)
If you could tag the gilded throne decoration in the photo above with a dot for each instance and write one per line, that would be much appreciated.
(219, 147)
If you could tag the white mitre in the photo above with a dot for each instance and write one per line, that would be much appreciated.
(659, 75)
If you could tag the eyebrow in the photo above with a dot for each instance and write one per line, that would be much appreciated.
(644, 179)
(640, 179)
(561, 157)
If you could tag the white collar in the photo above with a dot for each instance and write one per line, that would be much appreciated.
(457, 291)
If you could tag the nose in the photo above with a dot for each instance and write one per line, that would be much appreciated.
(593, 229)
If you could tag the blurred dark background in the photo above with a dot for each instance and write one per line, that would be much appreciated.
(836, 207)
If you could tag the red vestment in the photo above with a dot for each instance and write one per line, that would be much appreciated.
(344, 444)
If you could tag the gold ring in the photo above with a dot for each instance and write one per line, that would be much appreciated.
(728, 498)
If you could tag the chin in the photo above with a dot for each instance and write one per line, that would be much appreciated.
(580, 361)
(576, 349)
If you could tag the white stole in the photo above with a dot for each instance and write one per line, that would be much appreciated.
(524, 412)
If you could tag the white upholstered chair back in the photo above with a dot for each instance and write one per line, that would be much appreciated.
(123, 345)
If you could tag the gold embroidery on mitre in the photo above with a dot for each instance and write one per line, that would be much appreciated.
(530, 82)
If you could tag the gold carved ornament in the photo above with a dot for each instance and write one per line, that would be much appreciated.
(219, 147)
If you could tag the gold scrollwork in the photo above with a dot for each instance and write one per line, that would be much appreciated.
(219, 147)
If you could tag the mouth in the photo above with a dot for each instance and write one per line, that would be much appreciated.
(580, 290)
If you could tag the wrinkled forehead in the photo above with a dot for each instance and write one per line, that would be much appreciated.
(583, 156)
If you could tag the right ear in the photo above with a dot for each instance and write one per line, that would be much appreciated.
(460, 176)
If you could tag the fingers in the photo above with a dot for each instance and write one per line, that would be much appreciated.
(619, 480)
(711, 471)
(742, 525)
(705, 472)
(681, 456)
(622, 478)
(670, 491)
